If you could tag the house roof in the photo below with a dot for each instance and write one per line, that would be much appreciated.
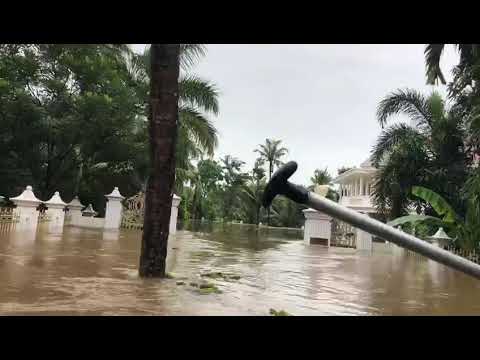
(366, 168)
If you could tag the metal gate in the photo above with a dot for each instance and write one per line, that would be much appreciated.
(343, 234)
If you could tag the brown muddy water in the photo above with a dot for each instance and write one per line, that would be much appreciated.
(89, 272)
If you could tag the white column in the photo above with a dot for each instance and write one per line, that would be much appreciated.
(317, 226)
(55, 210)
(113, 212)
(75, 211)
(364, 240)
(174, 214)
(362, 190)
(26, 209)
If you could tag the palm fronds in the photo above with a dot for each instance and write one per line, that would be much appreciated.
(200, 128)
(392, 137)
(409, 102)
(196, 92)
(433, 54)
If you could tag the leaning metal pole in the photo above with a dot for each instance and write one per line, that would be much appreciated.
(279, 185)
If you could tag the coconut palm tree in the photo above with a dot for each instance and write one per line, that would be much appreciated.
(464, 87)
(163, 116)
(429, 151)
(321, 177)
(433, 53)
(252, 193)
(234, 182)
(198, 98)
(271, 152)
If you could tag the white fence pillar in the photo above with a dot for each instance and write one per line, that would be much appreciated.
(56, 211)
(174, 214)
(113, 212)
(364, 240)
(75, 211)
(26, 209)
(318, 227)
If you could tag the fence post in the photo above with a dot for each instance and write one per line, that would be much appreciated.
(26, 209)
(113, 212)
(318, 227)
(56, 211)
(364, 240)
(174, 214)
(75, 211)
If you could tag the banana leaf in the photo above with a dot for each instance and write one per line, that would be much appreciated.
(439, 204)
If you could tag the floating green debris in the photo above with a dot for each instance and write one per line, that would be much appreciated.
(209, 291)
(169, 276)
(194, 284)
(279, 313)
(180, 283)
(206, 285)
(213, 275)
(218, 274)
(206, 289)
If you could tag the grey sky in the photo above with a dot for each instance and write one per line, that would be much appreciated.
(320, 100)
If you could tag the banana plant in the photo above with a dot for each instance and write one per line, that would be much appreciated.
(466, 231)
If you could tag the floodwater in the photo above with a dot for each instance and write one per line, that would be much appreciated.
(90, 272)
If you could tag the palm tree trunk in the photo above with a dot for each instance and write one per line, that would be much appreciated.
(162, 134)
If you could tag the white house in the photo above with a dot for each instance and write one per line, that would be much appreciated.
(355, 187)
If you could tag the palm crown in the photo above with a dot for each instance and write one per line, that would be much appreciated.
(428, 151)
(271, 152)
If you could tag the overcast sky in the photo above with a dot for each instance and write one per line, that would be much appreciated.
(320, 100)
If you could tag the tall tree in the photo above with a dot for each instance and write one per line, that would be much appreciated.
(271, 152)
(464, 88)
(321, 177)
(253, 192)
(162, 135)
(198, 98)
(429, 152)
(234, 179)
(469, 54)
(62, 106)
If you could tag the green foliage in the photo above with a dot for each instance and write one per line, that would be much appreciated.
(466, 231)
(414, 219)
(73, 119)
(224, 191)
(279, 312)
(430, 153)
(271, 152)
(287, 213)
(63, 106)
(198, 98)
(439, 204)
(321, 177)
